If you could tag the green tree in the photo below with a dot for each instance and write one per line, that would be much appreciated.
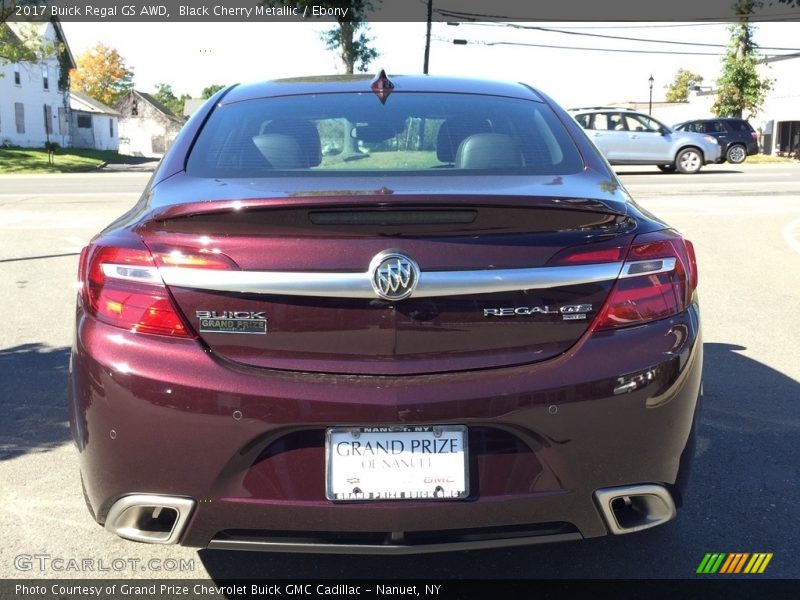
(102, 74)
(349, 39)
(211, 90)
(741, 87)
(167, 97)
(353, 45)
(24, 43)
(685, 80)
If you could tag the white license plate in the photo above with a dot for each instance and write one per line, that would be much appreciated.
(426, 462)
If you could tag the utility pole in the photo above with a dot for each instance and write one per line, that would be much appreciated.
(428, 38)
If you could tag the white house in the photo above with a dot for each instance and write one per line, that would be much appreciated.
(34, 101)
(94, 125)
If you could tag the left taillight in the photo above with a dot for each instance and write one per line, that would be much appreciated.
(121, 286)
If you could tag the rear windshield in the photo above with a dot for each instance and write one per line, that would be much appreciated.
(411, 133)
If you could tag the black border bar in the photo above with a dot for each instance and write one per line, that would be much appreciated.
(712, 11)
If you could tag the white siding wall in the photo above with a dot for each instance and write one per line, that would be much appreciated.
(136, 137)
(782, 104)
(99, 135)
(31, 94)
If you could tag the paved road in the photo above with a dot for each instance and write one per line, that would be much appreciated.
(745, 223)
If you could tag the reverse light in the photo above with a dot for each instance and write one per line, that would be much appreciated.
(658, 280)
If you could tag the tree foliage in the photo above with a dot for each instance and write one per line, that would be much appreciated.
(102, 74)
(167, 97)
(685, 80)
(353, 45)
(26, 43)
(741, 88)
(22, 46)
(349, 38)
(211, 90)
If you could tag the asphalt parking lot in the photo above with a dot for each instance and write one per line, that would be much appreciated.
(745, 224)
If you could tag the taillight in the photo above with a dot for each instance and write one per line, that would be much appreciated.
(590, 254)
(657, 280)
(122, 285)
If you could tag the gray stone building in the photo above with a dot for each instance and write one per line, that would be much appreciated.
(146, 127)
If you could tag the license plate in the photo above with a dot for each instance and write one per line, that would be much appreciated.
(426, 462)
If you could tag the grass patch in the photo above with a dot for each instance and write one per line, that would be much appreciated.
(65, 160)
(389, 159)
(766, 159)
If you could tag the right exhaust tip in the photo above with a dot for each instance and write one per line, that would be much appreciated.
(634, 508)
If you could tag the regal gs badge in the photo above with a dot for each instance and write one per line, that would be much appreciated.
(232, 321)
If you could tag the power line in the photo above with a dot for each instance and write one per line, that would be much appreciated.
(729, 19)
(624, 38)
(627, 51)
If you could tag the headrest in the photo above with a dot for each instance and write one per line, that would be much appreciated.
(306, 135)
(488, 151)
(281, 151)
(453, 131)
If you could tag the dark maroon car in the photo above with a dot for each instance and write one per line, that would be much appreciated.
(405, 314)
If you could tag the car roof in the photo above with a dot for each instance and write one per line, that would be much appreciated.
(708, 120)
(604, 109)
(361, 83)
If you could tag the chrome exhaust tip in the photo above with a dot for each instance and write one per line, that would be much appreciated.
(150, 518)
(634, 508)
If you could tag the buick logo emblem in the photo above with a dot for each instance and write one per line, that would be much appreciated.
(393, 275)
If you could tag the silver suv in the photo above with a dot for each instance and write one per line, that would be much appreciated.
(627, 137)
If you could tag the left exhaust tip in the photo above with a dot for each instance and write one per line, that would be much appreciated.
(150, 518)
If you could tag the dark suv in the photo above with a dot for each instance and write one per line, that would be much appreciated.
(737, 137)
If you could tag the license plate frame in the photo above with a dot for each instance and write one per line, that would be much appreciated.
(403, 477)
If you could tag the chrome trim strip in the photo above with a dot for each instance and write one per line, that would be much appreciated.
(647, 267)
(359, 285)
(386, 550)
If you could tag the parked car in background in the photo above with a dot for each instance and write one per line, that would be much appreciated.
(410, 314)
(737, 138)
(627, 137)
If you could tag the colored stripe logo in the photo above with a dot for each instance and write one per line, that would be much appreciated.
(734, 563)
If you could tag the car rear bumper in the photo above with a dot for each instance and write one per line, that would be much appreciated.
(162, 416)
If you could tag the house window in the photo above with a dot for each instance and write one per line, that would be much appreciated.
(45, 78)
(19, 116)
(85, 121)
(17, 77)
(48, 119)
(111, 127)
(134, 108)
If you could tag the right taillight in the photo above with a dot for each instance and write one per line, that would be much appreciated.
(657, 280)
